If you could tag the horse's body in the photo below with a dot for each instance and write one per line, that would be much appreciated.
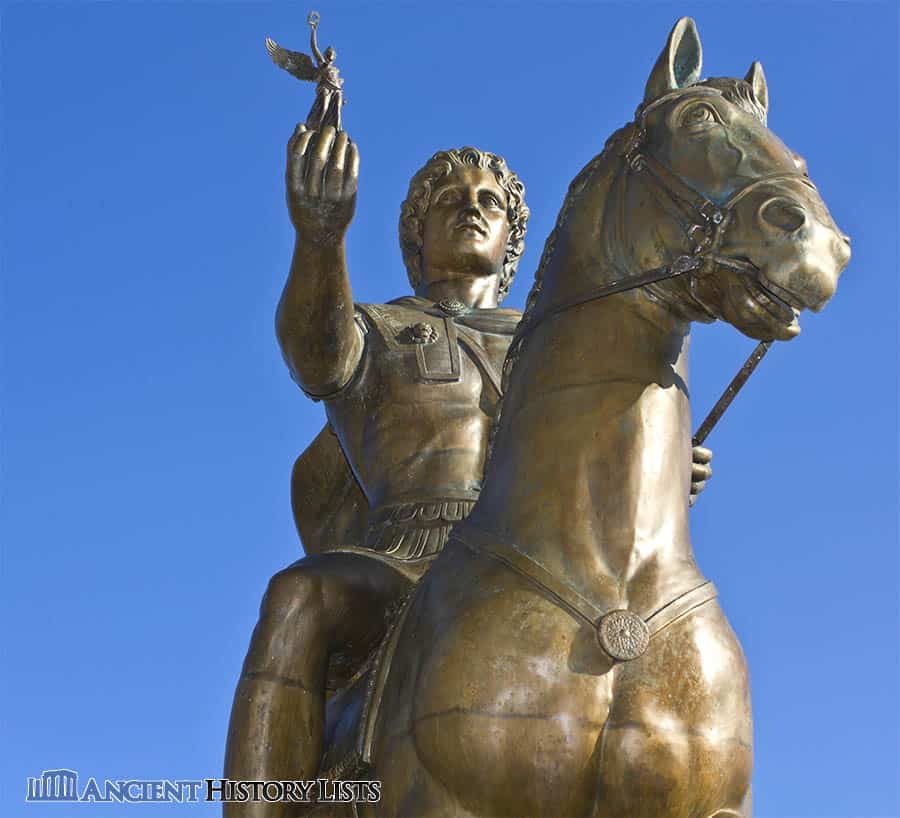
(501, 702)
(499, 699)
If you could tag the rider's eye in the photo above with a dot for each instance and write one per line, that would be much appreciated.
(491, 200)
(698, 115)
(447, 196)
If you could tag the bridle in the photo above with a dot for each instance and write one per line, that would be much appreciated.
(703, 220)
(704, 223)
(621, 633)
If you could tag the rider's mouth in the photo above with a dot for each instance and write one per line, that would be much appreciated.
(464, 226)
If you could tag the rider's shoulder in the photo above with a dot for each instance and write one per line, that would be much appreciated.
(393, 316)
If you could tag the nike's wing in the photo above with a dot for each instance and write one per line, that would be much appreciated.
(294, 62)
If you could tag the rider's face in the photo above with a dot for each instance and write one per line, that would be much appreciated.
(467, 227)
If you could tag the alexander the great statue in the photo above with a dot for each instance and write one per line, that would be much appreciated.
(410, 390)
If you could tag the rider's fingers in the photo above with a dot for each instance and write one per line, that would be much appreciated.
(297, 150)
(334, 171)
(295, 139)
(700, 472)
(316, 161)
(696, 488)
(351, 171)
(702, 454)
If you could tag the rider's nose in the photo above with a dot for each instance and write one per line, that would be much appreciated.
(784, 215)
(471, 203)
(471, 210)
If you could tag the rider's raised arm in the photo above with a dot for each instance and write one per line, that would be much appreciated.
(320, 340)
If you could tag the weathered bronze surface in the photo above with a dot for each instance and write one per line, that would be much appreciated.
(326, 109)
(562, 655)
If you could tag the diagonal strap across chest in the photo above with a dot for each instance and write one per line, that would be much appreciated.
(622, 634)
(481, 357)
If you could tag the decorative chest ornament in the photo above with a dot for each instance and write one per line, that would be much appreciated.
(423, 333)
(623, 635)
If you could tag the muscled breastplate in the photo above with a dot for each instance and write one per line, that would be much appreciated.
(414, 420)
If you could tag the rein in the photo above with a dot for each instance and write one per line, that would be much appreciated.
(705, 224)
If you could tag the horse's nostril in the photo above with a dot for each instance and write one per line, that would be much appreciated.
(846, 239)
(842, 251)
(784, 215)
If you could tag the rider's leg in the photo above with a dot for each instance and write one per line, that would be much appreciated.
(315, 606)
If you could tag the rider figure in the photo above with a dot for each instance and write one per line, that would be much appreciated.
(410, 389)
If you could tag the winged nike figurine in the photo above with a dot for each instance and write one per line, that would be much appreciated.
(326, 109)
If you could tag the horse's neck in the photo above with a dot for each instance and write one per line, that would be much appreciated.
(590, 471)
(612, 225)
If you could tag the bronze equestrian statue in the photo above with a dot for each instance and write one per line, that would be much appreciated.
(564, 655)
(410, 390)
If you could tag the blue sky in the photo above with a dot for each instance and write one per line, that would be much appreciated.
(148, 425)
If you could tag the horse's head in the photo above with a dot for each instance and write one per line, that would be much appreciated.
(737, 201)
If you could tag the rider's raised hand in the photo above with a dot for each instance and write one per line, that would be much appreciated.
(321, 176)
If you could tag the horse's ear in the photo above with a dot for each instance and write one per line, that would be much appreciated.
(680, 61)
(757, 80)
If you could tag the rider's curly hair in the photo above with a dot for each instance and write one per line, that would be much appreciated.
(418, 199)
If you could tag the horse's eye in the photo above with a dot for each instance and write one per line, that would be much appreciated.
(698, 115)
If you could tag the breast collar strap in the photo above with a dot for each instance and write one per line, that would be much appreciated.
(610, 625)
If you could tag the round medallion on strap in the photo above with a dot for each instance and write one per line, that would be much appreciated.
(623, 635)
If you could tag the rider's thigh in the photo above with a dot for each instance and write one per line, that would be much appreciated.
(341, 596)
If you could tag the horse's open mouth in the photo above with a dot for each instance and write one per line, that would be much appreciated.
(774, 303)
(783, 295)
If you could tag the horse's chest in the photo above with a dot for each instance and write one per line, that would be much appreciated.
(679, 725)
(516, 707)
(501, 713)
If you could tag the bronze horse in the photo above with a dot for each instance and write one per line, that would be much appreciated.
(564, 655)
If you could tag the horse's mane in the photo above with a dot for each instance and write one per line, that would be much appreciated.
(736, 91)
(576, 188)
(739, 93)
